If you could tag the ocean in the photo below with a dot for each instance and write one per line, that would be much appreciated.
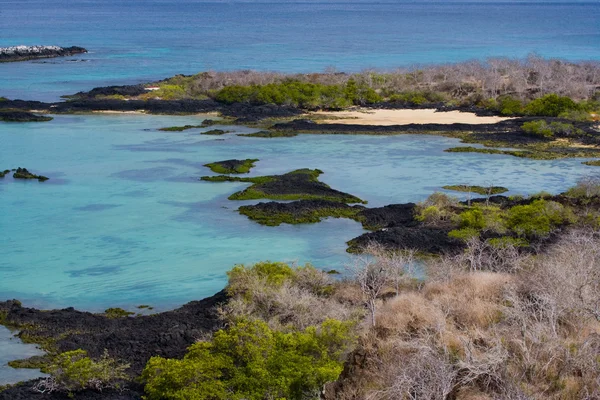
(137, 41)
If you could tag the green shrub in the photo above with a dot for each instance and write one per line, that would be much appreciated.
(234, 94)
(576, 115)
(508, 105)
(74, 370)
(550, 105)
(300, 94)
(549, 130)
(464, 233)
(539, 128)
(472, 219)
(272, 273)
(436, 208)
(538, 218)
(251, 361)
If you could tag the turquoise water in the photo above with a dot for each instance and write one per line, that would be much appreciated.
(11, 348)
(124, 220)
(136, 41)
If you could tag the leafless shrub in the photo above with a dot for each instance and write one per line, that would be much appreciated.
(371, 276)
(299, 302)
(416, 371)
(470, 81)
(481, 255)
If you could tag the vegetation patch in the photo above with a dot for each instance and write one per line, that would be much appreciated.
(483, 190)
(301, 184)
(299, 212)
(4, 173)
(274, 346)
(74, 371)
(116, 312)
(269, 134)
(232, 166)
(594, 163)
(550, 130)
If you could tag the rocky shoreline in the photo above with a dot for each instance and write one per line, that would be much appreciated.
(130, 339)
(26, 53)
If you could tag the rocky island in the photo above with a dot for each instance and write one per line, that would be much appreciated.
(26, 53)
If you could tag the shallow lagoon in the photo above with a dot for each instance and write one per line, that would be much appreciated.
(124, 220)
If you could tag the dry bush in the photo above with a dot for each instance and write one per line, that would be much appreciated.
(415, 370)
(408, 315)
(470, 300)
(533, 333)
(301, 300)
(471, 81)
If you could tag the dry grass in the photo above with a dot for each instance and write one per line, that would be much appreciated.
(533, 333)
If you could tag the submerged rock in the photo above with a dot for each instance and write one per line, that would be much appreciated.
(24, 53)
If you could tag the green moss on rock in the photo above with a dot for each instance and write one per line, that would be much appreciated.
(117, 313)
(299, 212)
(302, 184)
(490, 190)
(232, 166)
(594, 163)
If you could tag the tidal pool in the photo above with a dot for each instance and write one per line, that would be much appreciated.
(11, 348)
(125, 221)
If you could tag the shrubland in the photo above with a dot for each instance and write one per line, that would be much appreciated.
(531, 86)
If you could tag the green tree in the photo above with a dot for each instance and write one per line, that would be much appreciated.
(251, 361)
(550, 105)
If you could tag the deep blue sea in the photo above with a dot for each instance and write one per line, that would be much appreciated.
(124, 220)
(140, 40)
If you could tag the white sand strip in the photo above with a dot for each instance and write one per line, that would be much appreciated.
(404, 117)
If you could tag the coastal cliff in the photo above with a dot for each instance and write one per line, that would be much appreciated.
(25, 53)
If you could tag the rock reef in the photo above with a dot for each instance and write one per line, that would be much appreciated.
(25, 53)
(133, 339)
(22, 116)
(301, 184)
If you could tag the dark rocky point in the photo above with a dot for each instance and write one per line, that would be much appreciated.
(22, 116)
(25, 53)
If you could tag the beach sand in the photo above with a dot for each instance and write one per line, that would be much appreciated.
(403, 117)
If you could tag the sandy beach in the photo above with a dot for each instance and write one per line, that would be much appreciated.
(404, 117)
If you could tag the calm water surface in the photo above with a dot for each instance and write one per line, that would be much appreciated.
(11, 348)
(135, 41)
(125, 221)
